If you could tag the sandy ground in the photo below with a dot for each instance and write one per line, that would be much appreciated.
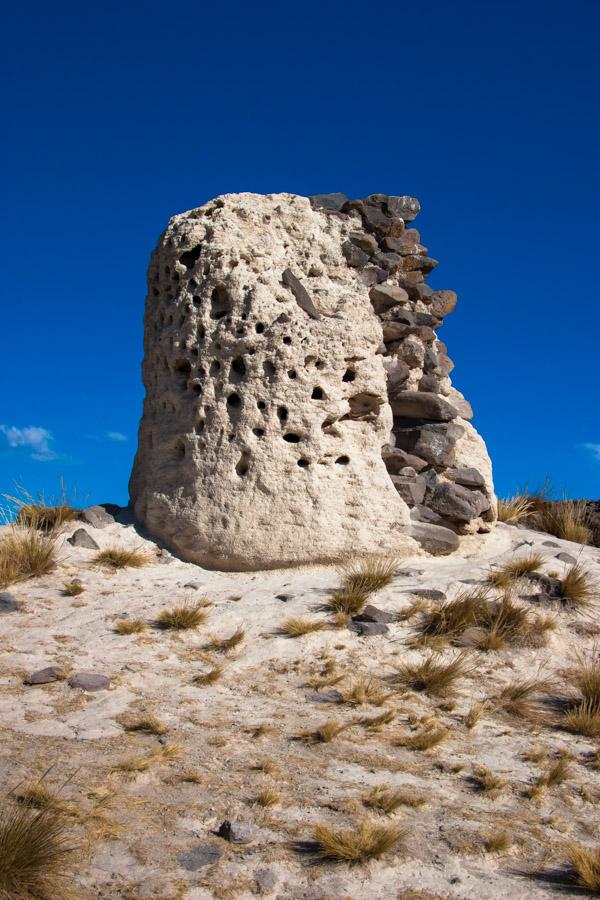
(153, 827)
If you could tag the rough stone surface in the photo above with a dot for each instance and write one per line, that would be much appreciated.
(435, 538)
(453, 501)
(199, 857)
(96, 516)
(89, 681)
(44, 676)
(368, 629)
(566, 558)
(8, 603)
(286, 346)
(373, 614)
(81, 538)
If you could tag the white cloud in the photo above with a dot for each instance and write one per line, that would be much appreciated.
(594, 448)
(116, 436)
(33, 438)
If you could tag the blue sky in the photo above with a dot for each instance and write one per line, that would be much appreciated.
(118, 115)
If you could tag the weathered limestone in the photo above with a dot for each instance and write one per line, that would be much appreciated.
(298, 404)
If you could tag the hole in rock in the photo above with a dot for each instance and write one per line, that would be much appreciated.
(287, 339)
(268, 368)
(234, 401)
(282, 413)
(292, 374)
(242, 464)
(349, 375)
(196, 388)
(196, 300)
(259, 328)
(180, 450)
(199, 427)
(259, 432)
(183, 366)
(215, 367)
(342, 460)
(261, 404)
(201, 332)
(220, 302)
(191, 257)
(303, 463)
(317, 393)
(319, 364)
(238, 370)
(291, 438)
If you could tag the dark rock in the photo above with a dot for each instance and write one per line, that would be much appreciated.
(394, 331)
(372, 275)
(303, 298)
(284, 597)
(397, 375)
(373, 614)
(395, 460)
(192, 585)
(406, 208)
(433, 443)
(81, 538)
(422, 292)
(566, 558)
(199, 857)
(422, 513)
(386, 296)
(443, 303)
(430, 384)
(424, 333)
(419, 263)
(89, 681)
(445, 364)
(368, 629)
(96, 516)
(45, 676)
(398, 314)
(365, 242)
(434, 538)
(237, 833)
(429, 594)
(408, 470)
(455, 502)
(463, 407)
(355, 257)
(467, 476)
(550, 544)
(411, 489)
(421, 405)
(376, 219)
(8, 603)
(389, 261)
(266, 880)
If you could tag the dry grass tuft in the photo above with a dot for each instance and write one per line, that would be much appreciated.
(324, 733)
(565, 519)
(585, 866)
(504, 575)
(578, 589)
(223, 645)
(581, 714)
(34, 852)
(474, 714)
(515, 509)
(375, 722)
(521, 697)
(387, 800)
(433, 675)
(498, 841)
(425, 739)
(363, 690)
(486, 780)
(189, 615)
(144, 722)
(556, 774)
(164, 754)
(295, 627)
(259, 731)
(267, 796)
(122, 558)
(26, 552)
(210, 677)
(360, 579)
(46, 518)
(39, 795)
(73, 588)
(366, 841)
(130, 626)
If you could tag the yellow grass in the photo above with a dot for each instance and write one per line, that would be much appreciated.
(296, 627)
(324, 733)
(189, 615)
(565, 519)
(206, 678)
(73, 588)
(363, 690)
(122, 558)
(35, 852)
(130, 626)
(578, 588)
(365, 841)
(387, 799)
(515, 509)
(433, 675)
(223, 645)
(26, 552)
(163, 754)
(143, 722)
(585, 866)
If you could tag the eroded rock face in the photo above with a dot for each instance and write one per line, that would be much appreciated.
(290, 355)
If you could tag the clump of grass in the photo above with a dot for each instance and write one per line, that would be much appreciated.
(433, 675)
(556, 774)
(375, 722)
(361, 578)
(581, 714)
(578, 590)
(565, 519)
(504, 575)
(191, 777)
(324, 733)
(367, 840)
(498, 841)
(25, 553)
(144, 722)
(296, 627)
(487, 781)
(363, 690)
(515, 509)
(223, 645)
(130, 626)
(164, 754)
(267, 796)
(269, 767)
(210, 677)
(521, 697)
(584, 863)
(122, 558)
(387, 800)
(40, 796)
(73, 588)
(46, 518)
(35, 852)
(474, 714)
(425, 739)
(259, 731)
(189, 615)
(450, 619)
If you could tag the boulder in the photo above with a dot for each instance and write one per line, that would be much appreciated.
(435, 539)
(45, 676)
(387, 296)
(373, 614)
(368, 629)
(421, 405)
(410, 488)
(81, 538)
(406, 208)
(328, 201)
(395, 460)
(432, 442)
(89, 681)
(467, 476)
(199, 857)
(96, 516)
(458, 503)
(302, 296)
(8, 602)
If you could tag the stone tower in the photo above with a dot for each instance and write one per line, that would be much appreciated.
(298, 405)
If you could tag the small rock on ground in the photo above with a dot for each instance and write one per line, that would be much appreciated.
(81, 538)
(97, 517)
(8, 603)
(198, 857)
(89, 681)
(44, 676)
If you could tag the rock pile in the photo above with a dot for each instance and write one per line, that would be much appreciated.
(298, 402)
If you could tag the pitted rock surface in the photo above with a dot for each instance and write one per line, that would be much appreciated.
(291, 368)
